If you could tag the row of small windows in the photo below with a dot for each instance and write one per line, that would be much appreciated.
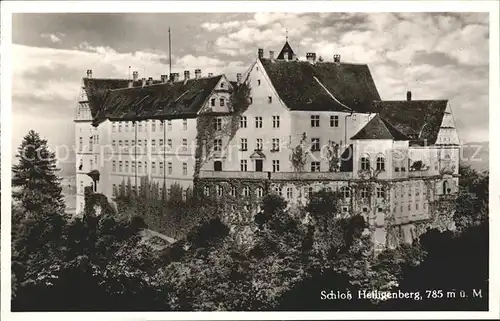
(244, 165)
(92, 140)
(160, 191)
(259, 144)
(123, 167)
(315, 121)
(345, 192)
(144, 143)
(142, 126)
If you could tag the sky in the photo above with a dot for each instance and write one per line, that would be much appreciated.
(435, 55)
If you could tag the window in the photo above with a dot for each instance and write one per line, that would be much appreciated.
(243, 122)
(310, 192)
(244, 144)
(212, 102)
(233, 191)
(97, 139)
(113, 143)
(115, 192)
(314, 120)
(365, 209)
(289, 193)
(139, 167)
(345, 192)
(153, 125)
(276, 165)
(380, 192)
(169, 167)
(160, 144)
(259, 191)
(365, 163)
(243, 165)
(113, 127)
(133, 166)
(221, 102)
(114, 166)
(161, 167)
(184, 124)
(169, 144)
(162, 125)
(184, 195)
(218, 124)
(91, 144)
(206, 191)
(246, 191)
(276, 121)
(218, 190)
(126, 166)
(153, 145)
(251, 100)
(416, 206)
(258, 82)
(119, 127)
(221, 85)
(140, 127)
(258, 122)
(120, 166)
(364, 192)
(269, 99)
(276, 145)
(380, 163)
(277, 190)
(334, 121)
(184, 169)
(184, 144)
(80, 146)
(217, 145)
(315, 166)
(315, 146)
(169, 125)
(153, 167)
(259, 144)
(217, 166)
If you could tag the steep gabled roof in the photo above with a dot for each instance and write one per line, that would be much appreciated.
(286, 49)
(310, 87)
(419, 118)
(379, 128)
(165, 100)
(97, 88)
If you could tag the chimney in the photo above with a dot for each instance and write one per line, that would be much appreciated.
(408, 95)
(271, 54)
(311, 57)
(164, 78)
(210, 74)
(186, 74)
(175, 76)
(261, 53)
(238, 78)
(143, 82)
(150, 80)
(135, 75)
(197, 73)
(89, 73)
(336, 58)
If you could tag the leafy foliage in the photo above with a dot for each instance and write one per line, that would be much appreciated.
(299, 155)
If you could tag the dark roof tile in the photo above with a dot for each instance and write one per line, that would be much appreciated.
(295, 81)
(420, 119)
(379, 128)
(165, 100)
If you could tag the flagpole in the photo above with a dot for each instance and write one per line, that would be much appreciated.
(169, 53)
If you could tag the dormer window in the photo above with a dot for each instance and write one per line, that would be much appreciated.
(221, 85)
(212, 102)
(258, 82)
(222, 102)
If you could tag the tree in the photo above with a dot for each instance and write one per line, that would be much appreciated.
(34, 181)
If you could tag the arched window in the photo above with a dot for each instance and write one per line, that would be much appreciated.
(365, 163)
(218, 190)
(259, 191)
(246, 191)
(446, 189)
(345, 192)
(380, 163)
(217, 166)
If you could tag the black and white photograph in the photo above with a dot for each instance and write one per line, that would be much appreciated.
(261, 158)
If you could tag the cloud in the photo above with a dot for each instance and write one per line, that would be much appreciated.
(52, 37)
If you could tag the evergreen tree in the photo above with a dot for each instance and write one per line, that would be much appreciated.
(36, 185)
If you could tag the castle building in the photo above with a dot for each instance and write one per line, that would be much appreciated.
(305, 126)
